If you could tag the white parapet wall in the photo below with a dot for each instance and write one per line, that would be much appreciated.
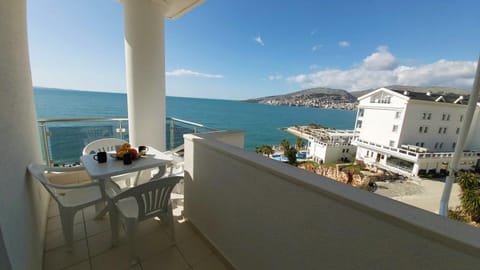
(263, 214)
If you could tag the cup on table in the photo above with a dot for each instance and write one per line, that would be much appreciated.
(142, 149)
(101, 157)
(127, 159)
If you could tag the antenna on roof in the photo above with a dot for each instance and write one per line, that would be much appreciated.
(459, 99)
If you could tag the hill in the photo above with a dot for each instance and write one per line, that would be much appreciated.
(329, 98)
(315, 97)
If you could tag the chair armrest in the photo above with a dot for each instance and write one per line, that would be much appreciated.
(65, 169)
(72, 186)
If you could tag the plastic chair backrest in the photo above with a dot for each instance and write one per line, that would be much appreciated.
(103, 145)
(152, 197)
(38, 171)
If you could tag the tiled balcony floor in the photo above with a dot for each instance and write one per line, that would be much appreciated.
(155, 247)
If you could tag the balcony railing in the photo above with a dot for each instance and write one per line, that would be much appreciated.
(62, 140)
(413, 154)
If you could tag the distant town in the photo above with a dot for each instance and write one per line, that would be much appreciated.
(327, 98)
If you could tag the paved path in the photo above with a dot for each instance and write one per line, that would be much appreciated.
(423, 193)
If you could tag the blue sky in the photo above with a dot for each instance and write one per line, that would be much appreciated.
(241, 49)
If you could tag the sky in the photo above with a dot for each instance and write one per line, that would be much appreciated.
(238, 49)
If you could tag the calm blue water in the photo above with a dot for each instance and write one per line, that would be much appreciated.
(260, 122)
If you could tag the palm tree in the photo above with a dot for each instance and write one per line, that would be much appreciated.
(267, 150)
(470, 197)
(285, 145)
(300, 144)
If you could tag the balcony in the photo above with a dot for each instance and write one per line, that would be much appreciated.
(244, 211)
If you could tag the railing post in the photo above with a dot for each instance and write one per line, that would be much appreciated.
(45, 143)
(120, 129)
(172, 134)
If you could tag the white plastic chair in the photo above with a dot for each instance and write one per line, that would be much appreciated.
(110, 145)
(103, 145)
(70, 198)
(148, 200)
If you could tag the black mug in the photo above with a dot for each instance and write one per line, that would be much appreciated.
(127, 159)
(101, 157)
(142, 149)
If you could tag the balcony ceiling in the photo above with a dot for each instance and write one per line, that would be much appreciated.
(176, 8)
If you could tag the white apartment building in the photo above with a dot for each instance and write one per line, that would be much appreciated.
(414, 133)
(331, 145)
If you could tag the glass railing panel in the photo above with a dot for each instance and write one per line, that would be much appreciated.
(62, 140)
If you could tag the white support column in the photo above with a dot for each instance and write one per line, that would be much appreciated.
(145, 71)
(23, 202)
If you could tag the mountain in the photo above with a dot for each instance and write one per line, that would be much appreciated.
(315, 97)
(321, 97)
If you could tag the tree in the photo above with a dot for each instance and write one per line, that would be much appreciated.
(285, 145)
(258, 149)
(291, 154)
(300, 143)
(267, 150)
(470, 197)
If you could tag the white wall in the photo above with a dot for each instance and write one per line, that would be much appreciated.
(473, 139)
(23, 203)
(415, 110)
(329, 153)
(263, 214)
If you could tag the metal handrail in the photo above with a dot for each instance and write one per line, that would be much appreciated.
(45, 133)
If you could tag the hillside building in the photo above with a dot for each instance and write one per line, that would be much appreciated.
(331, 145)
(414, 133)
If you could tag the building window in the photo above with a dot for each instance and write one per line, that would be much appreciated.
(440, 145)
(461, 118)
(420, 129)
(395, 128)
(397, 115)
(346, 151)
(448, 117)
(426, 116)
(359, 124)
(439, 130)
(391, 143)
(360, 112)
(417, 144)
(445, 117)
(422, 144)
(458, 131)
(436, 145)
(444, 130)
(453, 145)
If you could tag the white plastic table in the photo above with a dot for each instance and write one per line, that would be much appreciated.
(103, 171)
(112, 167)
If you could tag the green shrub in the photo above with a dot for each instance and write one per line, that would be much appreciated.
(470, 197)
(458, 214)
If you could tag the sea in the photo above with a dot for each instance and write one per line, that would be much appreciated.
(261, 123)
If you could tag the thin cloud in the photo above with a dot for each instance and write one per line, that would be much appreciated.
(275, 77)
(316, 47)
(380, 68)
(344, 44)
(313, 66)
(259, 40)
(313, 32)
(190, 73)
